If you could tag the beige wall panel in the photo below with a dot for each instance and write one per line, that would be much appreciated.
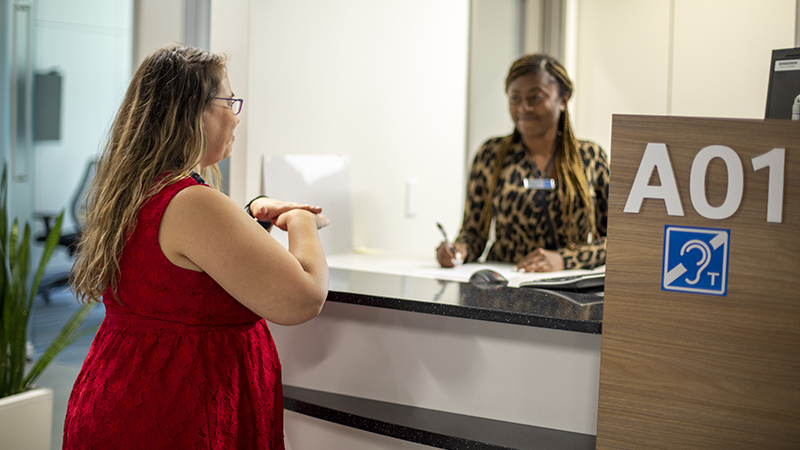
(684, 370)
(622, 63)
(722, 52)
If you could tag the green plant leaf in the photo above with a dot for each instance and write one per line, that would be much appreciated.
(49, 247)
(4, 210)
(19, 315)
(6, 312)
(3, 283)
(68, 334)
(16, 303)
(19, 279)
(13, 237)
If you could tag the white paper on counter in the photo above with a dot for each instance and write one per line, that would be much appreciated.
(429, 268)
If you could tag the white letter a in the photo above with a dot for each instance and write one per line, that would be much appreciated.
(655, 157)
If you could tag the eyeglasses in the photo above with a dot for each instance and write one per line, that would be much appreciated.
(234, 103)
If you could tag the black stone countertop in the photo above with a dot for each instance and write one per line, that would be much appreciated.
(561, 310)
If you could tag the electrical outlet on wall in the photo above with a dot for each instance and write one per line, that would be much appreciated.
(412, 197)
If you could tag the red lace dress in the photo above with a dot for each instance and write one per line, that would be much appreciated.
(178, 364)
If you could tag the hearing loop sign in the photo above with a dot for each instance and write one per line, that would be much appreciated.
(695, 260)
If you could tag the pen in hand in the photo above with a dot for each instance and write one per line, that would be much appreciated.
(457, 259)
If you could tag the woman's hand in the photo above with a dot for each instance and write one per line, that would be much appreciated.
(282, 220)
(447, 259)
(541, 260)
(264, 208)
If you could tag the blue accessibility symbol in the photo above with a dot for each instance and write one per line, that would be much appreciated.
(695, 260)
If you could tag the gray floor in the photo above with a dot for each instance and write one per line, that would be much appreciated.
(60, 375)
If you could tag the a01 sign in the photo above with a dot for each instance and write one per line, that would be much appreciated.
(656, 157)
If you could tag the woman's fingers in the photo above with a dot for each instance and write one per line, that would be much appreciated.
(322, 221)
(541, 260)
(444, 256)
(270, 208)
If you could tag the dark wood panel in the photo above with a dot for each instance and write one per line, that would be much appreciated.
(683, 370)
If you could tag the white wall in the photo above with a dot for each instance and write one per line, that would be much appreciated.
(675, 57)
(384, 82)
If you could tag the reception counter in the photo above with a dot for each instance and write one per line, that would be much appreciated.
(560, 310)
(400, 361)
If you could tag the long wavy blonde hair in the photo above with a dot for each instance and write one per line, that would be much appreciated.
(568, 163)
(156, 139)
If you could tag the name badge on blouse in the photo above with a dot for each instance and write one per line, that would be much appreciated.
(547, 184)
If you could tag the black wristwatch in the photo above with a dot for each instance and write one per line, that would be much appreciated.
(265, 224)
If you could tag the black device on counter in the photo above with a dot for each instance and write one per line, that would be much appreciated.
(487, 279)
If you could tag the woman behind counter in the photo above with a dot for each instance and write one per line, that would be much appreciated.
(537, 229)
(184, 358)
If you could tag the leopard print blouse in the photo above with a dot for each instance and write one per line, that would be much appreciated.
(528, 219)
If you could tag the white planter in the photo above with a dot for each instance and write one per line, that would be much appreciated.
(26, 420)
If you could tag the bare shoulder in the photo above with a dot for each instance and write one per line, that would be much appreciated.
(203, 209)
(198, 215)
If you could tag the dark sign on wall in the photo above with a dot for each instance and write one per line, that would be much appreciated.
(47, 106)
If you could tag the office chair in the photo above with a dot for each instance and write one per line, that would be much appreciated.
(68, 240)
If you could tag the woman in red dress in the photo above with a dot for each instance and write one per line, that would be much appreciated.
(184, 358)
